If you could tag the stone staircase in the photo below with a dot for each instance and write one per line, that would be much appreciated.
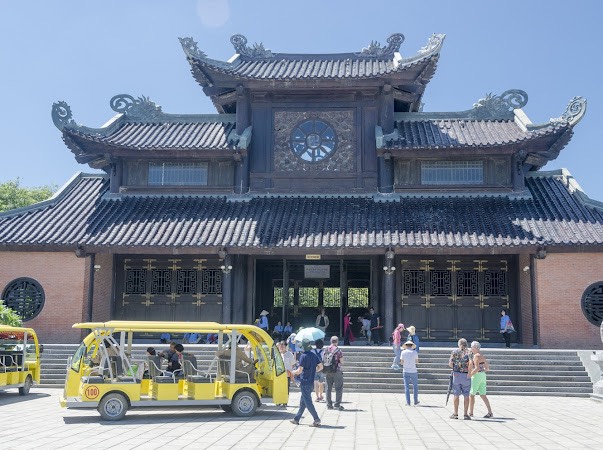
(367, 369)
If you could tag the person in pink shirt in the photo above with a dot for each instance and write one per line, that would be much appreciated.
(396, 340)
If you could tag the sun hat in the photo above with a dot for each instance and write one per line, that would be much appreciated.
(411, 343)
(411, 329)
(264, 313)
(400, 326)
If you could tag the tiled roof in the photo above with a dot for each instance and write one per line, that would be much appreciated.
(554, 215)
(448, 133)
(185, 135)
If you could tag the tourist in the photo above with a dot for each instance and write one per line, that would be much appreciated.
(308, 363)
(263, 320)
(506, 327)
(287, 330)
(319, 378)
(396, 342)
(174, 364)
(348, 336)
(461, 384)
(366, 328)
(478, 366)
(169, 352)
(322, 321)
(288, 360)
(412, 336)
(410, 358)
(334, 374)
(277, 333)
(375, 326)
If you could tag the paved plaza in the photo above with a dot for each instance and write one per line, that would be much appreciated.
(369, 421)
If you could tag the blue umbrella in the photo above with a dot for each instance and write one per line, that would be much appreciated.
(310, 333)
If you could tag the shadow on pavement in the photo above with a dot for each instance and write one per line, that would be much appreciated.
(148, 416)
(8, 398)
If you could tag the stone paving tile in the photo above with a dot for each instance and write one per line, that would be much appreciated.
(369, 421)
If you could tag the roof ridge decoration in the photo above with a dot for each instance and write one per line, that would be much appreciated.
(191, 48)
(500, 105)
(257, 51)
(574, 112)
(374, 49)
(62, 116)
(141, 108)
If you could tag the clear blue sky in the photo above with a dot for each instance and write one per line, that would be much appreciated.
(84, 52)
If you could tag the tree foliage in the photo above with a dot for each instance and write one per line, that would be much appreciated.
(13, 195)
(8, 316)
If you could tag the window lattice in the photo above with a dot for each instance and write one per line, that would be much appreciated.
(25, 296)
(495, 283)
(358, 297)
(308, 297)
(592, 303)
(452, 172)
(441, 283)
(414, 282)
(278, 296)
(187, 281)
(466, 283)
(136, 281)
(161, 282)
(331, 297)
(179, 174)
(211, 281)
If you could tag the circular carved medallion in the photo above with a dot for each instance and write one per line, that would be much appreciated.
(25, 296)
(592, 303)
(313, 140)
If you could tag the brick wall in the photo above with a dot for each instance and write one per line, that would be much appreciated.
(62, 277)
(103, 288)
(561, 281)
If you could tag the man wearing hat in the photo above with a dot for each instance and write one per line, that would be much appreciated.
(263, 324)
(308, 364)
(410, 358)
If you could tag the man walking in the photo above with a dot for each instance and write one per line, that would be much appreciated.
(308, 363)
(461, 383)
(375, 326)
(334, 373)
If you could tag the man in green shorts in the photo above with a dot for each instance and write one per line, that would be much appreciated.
(478, 366)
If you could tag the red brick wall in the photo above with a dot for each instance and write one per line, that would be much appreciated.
(525, 300)
(62, 276)
(103, 288)
(561, 281)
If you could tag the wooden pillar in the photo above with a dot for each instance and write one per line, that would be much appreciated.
(386, 122)
(227, 281)
(389, 292)
(243, 121)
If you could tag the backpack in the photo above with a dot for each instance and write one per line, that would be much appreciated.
(329, 362)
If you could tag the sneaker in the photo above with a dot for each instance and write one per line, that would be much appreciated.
(294, 422)
(395, 367)
(454, 416)
(315, 424)
(340, 408)
(416, 403)
(329, 406)
(467, 417)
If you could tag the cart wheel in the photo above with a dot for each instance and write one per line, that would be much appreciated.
(113, 406)
(24, 390)
(244, 404)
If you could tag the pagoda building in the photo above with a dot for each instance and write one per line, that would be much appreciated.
(320, 182)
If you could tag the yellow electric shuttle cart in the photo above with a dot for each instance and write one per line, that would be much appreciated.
(104, 374)
(19, 358)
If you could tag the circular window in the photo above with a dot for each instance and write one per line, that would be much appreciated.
(592, 303)
(25, 296)
(313, 140)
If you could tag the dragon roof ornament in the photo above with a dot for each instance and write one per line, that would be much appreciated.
(62, 116)
(191, 49)
(574, 112)
(500, 105)
(141, 108)
(374, 49)
(256, 51)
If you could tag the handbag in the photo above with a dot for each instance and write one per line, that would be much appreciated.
(509, 328)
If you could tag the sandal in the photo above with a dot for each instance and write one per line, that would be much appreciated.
(488, 416)
(454, 416)
(470, 414)
(467, 417)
